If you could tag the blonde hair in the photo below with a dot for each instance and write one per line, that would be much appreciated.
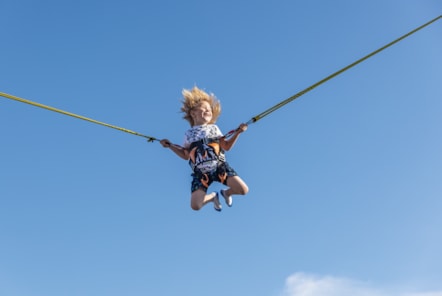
(193, 98)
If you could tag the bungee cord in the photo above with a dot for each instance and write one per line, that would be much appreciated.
(294, 97)
(253, 119)
(149, 138)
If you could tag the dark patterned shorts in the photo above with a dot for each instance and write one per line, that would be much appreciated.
(203, 181)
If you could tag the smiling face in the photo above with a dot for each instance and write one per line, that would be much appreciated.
(202, 113)
(200, 107)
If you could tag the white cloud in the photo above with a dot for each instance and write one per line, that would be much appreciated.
(302, 284)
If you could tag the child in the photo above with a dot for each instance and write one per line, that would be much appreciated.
(204, 147)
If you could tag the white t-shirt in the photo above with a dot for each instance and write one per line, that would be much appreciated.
(199, 132)
(207, 162)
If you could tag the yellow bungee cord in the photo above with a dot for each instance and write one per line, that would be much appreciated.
(149, 138)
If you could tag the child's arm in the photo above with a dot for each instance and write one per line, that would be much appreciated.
(228, 144)
(178, 150)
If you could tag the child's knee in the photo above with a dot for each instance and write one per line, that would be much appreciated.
(240, 188)
(196, 206)
(244, 190)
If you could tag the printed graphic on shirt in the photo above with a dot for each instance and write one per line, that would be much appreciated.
(205, 157)
(200, 132)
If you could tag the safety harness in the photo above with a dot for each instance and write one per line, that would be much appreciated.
(206, 157)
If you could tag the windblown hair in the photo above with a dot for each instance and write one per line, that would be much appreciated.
(193, 98)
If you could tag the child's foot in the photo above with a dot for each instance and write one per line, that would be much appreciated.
(229, 200)
(216, 204)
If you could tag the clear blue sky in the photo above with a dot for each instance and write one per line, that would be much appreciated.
(345, 182)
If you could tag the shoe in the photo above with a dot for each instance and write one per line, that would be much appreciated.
(216, 204)
(229, 200)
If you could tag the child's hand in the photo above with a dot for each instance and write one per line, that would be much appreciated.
(166, 143)
(242, 127)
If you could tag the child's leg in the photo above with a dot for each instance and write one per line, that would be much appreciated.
(236, 186)
(199, 198)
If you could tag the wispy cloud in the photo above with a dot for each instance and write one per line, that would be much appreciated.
(302, 284)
